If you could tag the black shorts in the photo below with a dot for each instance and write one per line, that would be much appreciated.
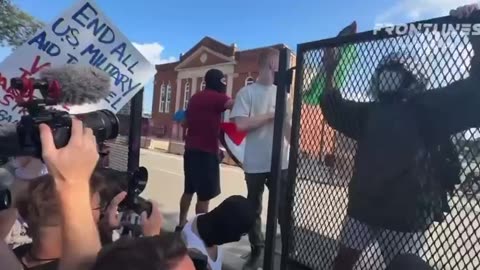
(202, 174)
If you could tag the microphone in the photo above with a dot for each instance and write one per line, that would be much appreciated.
(79, 84)
(68, 85)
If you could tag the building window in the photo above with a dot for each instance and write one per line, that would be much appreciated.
(169, 98)
(161, 108)
(203, 85)
(249, 81)
(186, 95)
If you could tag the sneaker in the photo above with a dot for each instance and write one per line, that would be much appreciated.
(255, 260)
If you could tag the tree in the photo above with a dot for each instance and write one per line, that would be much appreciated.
(16, 26)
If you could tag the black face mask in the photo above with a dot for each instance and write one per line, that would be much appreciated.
(401, 91)
(226, 223)
(214, 81)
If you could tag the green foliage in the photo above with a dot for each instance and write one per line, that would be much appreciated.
(16, 26)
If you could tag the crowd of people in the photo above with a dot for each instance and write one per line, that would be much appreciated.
(69, 203)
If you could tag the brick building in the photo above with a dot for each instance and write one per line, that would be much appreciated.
(176, 82)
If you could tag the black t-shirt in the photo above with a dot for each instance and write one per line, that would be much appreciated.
(21, 251)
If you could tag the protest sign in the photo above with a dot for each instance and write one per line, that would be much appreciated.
(81, 35)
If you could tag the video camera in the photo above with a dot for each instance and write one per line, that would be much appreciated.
(133, 182)
(24, 139)
(137, 181)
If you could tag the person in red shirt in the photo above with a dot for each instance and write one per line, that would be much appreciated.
(201, 162)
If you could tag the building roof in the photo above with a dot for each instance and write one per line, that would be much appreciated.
(219, 47)
(212, 44)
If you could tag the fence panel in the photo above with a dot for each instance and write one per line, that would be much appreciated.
(325, 158)
(124, 151)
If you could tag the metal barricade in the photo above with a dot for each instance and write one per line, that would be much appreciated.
(322, 159)
(124, 151)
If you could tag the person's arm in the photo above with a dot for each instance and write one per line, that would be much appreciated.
(254, 122)
(72, 168)
(229, 104)
(111, 220)
(221, 102)
(345, 116)
(241, 113)
(152, 225)
(456, 107)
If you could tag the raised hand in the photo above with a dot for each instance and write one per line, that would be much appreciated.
(73, 165)
(152, 225)
(112, 218)
(331, 56)
(464, 12)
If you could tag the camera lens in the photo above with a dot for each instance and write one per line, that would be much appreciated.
(104, 123)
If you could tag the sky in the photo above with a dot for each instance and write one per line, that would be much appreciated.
(162, 30)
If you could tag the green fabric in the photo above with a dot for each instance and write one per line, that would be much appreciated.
(348, 55)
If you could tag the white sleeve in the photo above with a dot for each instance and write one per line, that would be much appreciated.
(242, 105)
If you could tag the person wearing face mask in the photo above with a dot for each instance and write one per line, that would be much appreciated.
(201, 162)
(227, 223)
(405, 164)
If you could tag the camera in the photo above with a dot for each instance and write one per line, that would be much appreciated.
(133, 182)
(26, 140)
(137, 181)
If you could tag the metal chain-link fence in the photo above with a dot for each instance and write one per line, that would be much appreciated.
(392, 144)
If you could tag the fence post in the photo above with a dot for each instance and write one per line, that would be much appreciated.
(276, 166)
(135, 134)
(293, 157)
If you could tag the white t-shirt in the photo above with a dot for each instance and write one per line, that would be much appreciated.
(195, 242)
(253, 100)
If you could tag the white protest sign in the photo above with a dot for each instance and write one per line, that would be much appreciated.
(81, 35)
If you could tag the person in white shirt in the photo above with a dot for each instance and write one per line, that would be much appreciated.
(253, 112)
(227, 223)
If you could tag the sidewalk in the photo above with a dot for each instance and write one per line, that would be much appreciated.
(234, 253)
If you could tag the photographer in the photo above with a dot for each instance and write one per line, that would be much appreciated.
(40, 209)
(71, 168)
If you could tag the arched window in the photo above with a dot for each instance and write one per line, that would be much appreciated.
(161, 107)
(203, 85)
(169, 98)
(186, 95)
(249, 80)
